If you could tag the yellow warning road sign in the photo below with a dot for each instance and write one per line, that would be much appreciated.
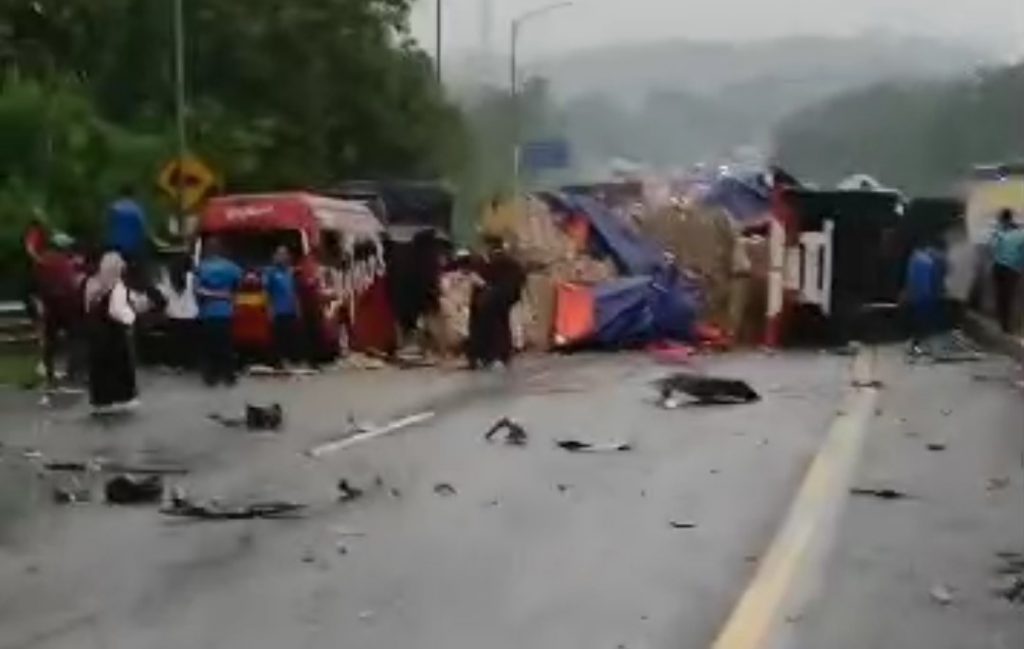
(190, 176)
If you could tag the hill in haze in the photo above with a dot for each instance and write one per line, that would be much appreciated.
(676, 102)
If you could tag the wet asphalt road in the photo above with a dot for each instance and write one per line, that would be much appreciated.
(536, 548)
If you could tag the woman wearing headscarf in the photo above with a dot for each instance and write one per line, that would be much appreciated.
(109, 319)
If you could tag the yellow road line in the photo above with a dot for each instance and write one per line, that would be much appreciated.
(755, 618)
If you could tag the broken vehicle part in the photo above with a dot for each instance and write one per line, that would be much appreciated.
(576, 446)
(704, 390)
(366, 435)
(131, 490)
(515, 435)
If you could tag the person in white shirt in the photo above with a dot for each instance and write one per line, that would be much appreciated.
(109, 319)
(182, 312)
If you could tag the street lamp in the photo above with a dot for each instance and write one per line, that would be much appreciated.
(179, 106)
(517, 25)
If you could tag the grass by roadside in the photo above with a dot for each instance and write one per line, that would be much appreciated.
(18, 369)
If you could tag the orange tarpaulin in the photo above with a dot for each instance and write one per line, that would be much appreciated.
(574, 314)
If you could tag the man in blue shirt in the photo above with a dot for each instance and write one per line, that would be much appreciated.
(127, 232)
(1007, 245)
(923, 292)
(279, 283)
(217, 280)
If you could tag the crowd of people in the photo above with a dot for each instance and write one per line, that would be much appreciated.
(942, 278)
(89, 305)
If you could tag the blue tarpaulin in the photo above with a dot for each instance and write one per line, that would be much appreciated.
(746, 199)
(632, 254)
(637, 310)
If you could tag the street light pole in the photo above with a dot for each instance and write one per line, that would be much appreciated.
(179, 107)
(516, 28)
(437, 46)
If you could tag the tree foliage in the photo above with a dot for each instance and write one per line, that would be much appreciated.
(921, 137)
(282, 94)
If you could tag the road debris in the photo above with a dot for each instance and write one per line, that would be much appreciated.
(874, 384)
(682, 525)
(997, 484)
(882, 494)
(515, 435)
(576, 446)
(562, 488)
(1011, 568)
(704, 390)
(941, 594)
(134, 490)
(348, 493)
(70, 496)
(444, 489)
(256, 418)
(100, 465)
(936, 446)
(182, 506)
(370, 433)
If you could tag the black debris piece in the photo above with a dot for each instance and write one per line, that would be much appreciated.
(682, 525)
(255, 418)
(66, 496)
(874, 384)
(134, 490)
(936, 446)
(515, 433)
(347, 492)
(444, 489)
(112, 467)
(562, 488)
(576, 446)
(183, 507)
(705, 390)
(882, 494)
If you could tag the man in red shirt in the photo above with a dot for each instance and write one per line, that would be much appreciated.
(58, 281)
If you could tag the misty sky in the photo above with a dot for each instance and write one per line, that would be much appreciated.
(999, 23)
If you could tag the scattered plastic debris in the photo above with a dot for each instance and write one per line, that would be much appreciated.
(998, 484)
(576, 446)
(370, 433)
(882, 494)
(134, 490)
(941, 594)
(444, 489)
(348, 493)
(256, 418)
(515, 433)
(682, 525)
(182, 506)
(705, 390)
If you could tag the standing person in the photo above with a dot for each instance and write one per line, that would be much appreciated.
(1007, 245)
(923, 294)
(127, 231)
(217, 280)
(58, 280)
(109, 319)
(960, 265)
(491, 308)
(181, 310)
(279, 281)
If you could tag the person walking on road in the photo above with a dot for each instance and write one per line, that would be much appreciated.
(58, 280)
(181, 310)
(1007, 244)
(279, 282)
(490, 326)
(217, 280)
(923, 293)
(109, 319)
